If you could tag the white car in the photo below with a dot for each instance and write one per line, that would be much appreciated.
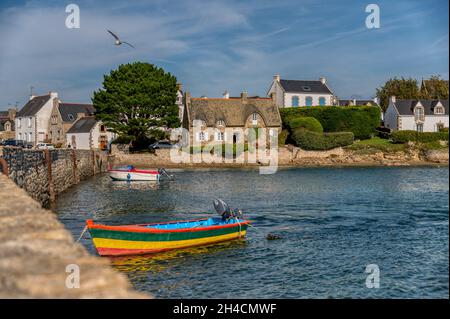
(44, 146)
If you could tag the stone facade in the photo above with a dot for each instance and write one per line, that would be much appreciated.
(44, 174)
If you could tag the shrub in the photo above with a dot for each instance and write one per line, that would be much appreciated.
(122, 139)
(413, 136)
(444, 129)
(361, 120)
(308, 123)
(282, 137)
(321, 141)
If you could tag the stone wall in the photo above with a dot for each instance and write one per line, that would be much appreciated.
(44, 174)
(35, 250)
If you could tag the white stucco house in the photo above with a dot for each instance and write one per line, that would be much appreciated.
(294, 93)
(417, 115)
(31, 121)
(87, 133)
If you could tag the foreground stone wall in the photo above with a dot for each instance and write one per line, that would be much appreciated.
(35, 250)
(44, 174)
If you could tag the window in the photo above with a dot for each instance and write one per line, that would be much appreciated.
(295, 101)
(439, 127)
(29, 121)
(30, 137)
(419, 114)
(220, 123)
(439, 110)
(7, 127)
(254, 118)
(102, 128)
(220, 136)
(202, 136)
(308, 101)
(419, 127)
(19, 123)
(322, 101)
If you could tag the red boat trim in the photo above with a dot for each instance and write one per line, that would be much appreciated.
(142, 228)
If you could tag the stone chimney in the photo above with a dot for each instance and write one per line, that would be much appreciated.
(276, 78)
(80, 115)
(32, 96)
(53, 94)
(323, 80)
(226, 94)
(179, 87)
(392, 99)
(244, 96)
(187, 98)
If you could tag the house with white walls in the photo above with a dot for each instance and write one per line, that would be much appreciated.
(298, 93)
(87, 133)
(417, 115)
(31, 122)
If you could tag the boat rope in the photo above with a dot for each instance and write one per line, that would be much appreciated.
(82, 233)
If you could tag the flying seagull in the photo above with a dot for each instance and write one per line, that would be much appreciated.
(118, 42)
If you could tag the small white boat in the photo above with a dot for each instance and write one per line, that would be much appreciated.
(130, 173)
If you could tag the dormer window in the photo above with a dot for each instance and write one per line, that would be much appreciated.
(71, 117)
(306, 88)
(439, 110)
(419, 114)
(220, 123)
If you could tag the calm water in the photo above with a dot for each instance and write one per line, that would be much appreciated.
(333, 223)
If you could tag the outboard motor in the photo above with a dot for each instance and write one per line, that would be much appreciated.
(223, 209)
(164, 173)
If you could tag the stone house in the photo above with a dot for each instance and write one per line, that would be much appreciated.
(31, 121)
(417, 115)
(295, 93)
(62, 118)
(224, 120)
(7, 124)
(87, 134)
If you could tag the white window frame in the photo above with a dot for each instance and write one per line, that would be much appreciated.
(30, 121)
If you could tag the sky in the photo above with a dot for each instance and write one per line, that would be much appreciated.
(213, 46)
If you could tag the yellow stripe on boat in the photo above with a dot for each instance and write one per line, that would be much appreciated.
(128, 244)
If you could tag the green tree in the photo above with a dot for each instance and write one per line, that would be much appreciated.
(434, 88)
(400, 88)
(137, 100)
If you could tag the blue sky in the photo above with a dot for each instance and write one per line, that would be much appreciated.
(212, 46)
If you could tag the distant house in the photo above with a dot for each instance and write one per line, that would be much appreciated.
(355, 102)
(87, 133)
(417, 115)
(297, 93)
(226, 114)
(62, 118)
(31, 121)
(179, 102)
(7, 124)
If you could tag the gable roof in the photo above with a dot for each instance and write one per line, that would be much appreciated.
(83, 125)
(33, 106)
(406, 107)
(69, 111)
(301, 86)
(232, 111)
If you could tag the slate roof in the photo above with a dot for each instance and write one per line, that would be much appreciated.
(301, 86)
(406, 107)
(83, 125)
(69, 111)
(232, 111)
(33, 106)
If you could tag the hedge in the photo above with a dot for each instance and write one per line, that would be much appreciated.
(282, 137)
(414, 136)
(321, 141)
(307, 122)
(360, 120)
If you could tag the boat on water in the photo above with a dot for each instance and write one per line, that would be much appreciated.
(158, 237)
(130, 173)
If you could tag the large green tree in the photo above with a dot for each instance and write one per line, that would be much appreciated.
(400, 88)
(136, 100)
(434, 88)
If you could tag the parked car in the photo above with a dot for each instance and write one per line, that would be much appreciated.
(44, 146)
(13, 142)
(161, 145)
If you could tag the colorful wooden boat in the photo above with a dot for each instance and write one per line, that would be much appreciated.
(130, 173)
(152, 238)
